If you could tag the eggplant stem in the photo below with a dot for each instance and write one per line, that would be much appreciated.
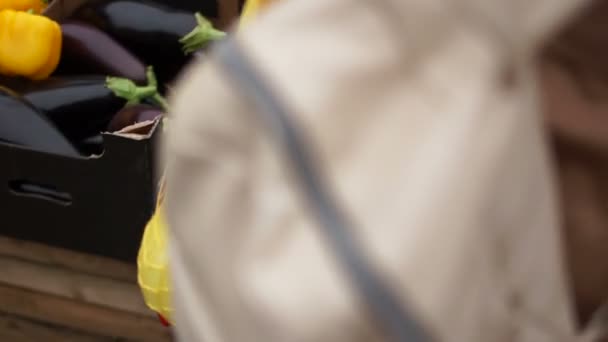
(128, 90)
(201, 35)
(157, 97)
(151, 77)
(134, 94)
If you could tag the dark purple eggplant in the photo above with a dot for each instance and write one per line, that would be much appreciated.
(79, 106)
(133, 114)
(21, 124)
(89, 50)
(152, 31)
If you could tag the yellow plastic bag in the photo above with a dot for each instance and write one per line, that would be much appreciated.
(252, 9)
(153, 264)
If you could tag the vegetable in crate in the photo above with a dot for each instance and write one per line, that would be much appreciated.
(87, 50)
(83, 106)
(80, 106)
(150, 30)
(37, 6)
(22, 124)
(30, 44)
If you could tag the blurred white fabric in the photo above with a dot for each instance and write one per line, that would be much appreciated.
(424, 116)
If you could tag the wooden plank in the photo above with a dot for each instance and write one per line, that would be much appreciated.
(92, 319)
(17, 329)
(62, 282)
(85, 263)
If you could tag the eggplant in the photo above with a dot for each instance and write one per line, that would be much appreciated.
(87, 49)
(134, 114)
(79, 106)
(21, 124)
(152, 31)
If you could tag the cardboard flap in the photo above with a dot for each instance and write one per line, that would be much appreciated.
(138, 131)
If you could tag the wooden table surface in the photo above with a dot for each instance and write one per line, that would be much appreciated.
(50, 294)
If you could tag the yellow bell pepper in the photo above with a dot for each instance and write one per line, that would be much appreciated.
(30, 44)
(24, 5)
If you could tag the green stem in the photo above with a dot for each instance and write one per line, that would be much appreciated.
(128, 90)
(134, 94)
(153, 82)
(201, 35)
(151, 77)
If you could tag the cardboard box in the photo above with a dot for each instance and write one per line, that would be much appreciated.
(98, 204)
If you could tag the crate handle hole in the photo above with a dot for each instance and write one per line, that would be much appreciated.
(41, 191)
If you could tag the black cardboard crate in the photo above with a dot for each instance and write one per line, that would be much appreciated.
(96, 205)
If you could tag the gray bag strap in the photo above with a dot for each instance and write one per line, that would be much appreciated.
(395, 321)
